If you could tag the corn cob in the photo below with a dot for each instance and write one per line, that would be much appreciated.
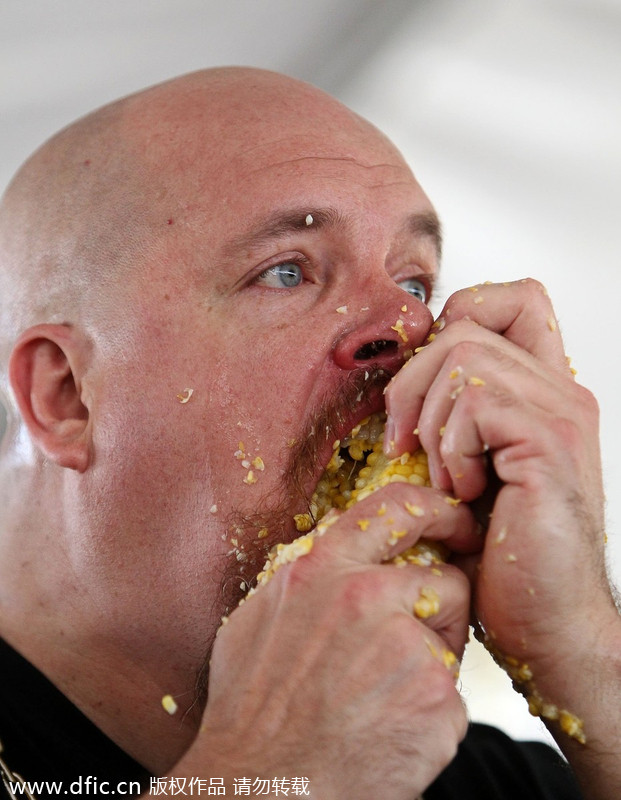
(358, 468)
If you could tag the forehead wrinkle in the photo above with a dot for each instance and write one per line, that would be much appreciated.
(338, 159)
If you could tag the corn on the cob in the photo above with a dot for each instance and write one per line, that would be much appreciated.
(358, 468)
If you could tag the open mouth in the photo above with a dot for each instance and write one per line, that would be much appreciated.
(358, 467)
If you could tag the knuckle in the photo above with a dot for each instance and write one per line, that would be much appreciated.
(465, 349)
(462, 329)
(567, 431)
(587, 402)
(358, 590)
(460, 580)
(532, 285)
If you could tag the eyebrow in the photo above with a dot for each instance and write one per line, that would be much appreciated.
(284, 223)
(425, 225)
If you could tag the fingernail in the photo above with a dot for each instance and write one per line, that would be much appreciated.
(389, 436)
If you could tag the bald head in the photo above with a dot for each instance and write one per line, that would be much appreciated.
(121, 183)
(108, 186)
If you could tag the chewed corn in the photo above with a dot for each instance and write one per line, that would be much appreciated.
(357, 468)
(523, 680)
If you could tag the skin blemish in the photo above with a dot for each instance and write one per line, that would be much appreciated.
(185, 396)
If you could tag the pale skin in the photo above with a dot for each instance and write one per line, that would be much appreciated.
(118, 526)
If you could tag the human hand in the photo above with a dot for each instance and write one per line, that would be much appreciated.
(326, 672)
(494, 386)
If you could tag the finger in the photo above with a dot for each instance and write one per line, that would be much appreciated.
(519, 311)
(454, 359)
(396, 517)
(455, 424)
(441, 603)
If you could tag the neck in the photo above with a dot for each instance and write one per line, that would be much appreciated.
(121, 697)
(97, 627)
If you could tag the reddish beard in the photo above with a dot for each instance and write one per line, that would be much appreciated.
(275, 513)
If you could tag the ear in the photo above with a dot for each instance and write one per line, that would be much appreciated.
(45, 371)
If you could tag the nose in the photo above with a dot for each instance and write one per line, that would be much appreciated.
(382, 339)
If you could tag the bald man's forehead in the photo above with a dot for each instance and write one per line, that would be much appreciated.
(173, 158)
(209, 119)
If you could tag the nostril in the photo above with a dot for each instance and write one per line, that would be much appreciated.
(374, 349)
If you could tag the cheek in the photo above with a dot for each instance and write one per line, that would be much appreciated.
(259, 397)
(176, 412)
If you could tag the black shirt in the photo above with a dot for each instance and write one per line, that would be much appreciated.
(46, 738)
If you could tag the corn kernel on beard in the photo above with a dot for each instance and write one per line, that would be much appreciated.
(251, 535)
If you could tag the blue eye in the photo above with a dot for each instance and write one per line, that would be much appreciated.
(416, 288)
(281, 276)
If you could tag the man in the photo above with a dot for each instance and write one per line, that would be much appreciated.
(204, 286)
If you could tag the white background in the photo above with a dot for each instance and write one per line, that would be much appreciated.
(509, 113)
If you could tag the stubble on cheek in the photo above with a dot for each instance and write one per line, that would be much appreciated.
(252, 535)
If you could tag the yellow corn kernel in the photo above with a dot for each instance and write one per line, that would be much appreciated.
(357, 468)
(168, 704)
(428, 603)
(303, 522)
(400, 329)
